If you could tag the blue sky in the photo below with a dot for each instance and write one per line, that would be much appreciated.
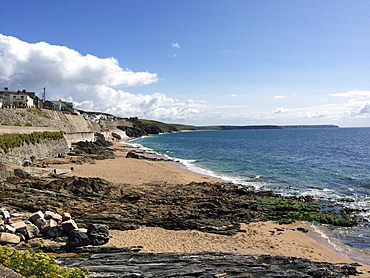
(195, 62)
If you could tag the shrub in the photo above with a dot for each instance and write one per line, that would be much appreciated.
(17, 124)
(27, 124)
(32, 264)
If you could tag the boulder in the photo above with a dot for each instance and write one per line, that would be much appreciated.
(10, 229)
(8, 238)
(6, 216)
(35, 216)
(98, 234)
(56, 231)
(77, 238)
(48, 215)
(66, 216)
(31, 231)
(45, 225)
(69, 226)
(58, 218)
(19, 225)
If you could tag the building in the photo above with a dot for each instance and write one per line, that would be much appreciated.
(18, 99)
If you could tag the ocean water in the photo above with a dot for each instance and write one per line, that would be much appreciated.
(333, 163)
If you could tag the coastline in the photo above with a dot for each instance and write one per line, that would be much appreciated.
(259, 238)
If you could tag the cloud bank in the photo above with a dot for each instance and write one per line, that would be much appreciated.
(24, 65)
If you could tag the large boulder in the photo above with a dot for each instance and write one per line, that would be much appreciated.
(98, 234)
(9, 238)
(31, 231)
(77, 238)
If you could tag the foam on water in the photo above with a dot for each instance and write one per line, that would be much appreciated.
(190, 164)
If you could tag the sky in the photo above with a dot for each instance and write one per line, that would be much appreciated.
(199, 62)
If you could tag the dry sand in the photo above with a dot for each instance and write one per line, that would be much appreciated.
(122, 170)
(259, 238)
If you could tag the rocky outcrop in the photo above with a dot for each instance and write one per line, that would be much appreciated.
(207, 207)
(127, 263)
(94, 150)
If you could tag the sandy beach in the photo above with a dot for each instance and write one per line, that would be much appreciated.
(259, 238)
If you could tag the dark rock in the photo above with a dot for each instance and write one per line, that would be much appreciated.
(77, 238)
(55, 232)
(117, 136)
(31, 231)
(132, 154)
(98, 234)
(21, 174)
(205, 264)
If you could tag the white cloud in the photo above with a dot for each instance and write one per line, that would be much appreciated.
(175, 45)
(353, 94)
(233, 95)
(315, 114)
(277, 97)
(281, 110)
(41, 64)
(363, 109)
(117, 102)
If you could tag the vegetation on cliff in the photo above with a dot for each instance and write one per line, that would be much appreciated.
(13, 140)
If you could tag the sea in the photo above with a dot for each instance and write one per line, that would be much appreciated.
(332, 164)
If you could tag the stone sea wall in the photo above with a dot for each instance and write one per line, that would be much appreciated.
(75, 129)
(46, 148)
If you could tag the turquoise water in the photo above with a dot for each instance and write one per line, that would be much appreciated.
(331, 163)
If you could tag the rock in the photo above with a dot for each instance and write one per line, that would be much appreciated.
(55, 232)
(8, 238)
(22, 237)
(35, 216)
(31, 231)
(69, 226)
(98, 234)
(48, 215)
(21, 174)
(125, 263)
(45, 225)
(6, 216)
(66, 216)
(19, 225)
(77, 238)
(117, 136)
(10, 229)
(132, 154)
(58, 218)
(17, 215)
